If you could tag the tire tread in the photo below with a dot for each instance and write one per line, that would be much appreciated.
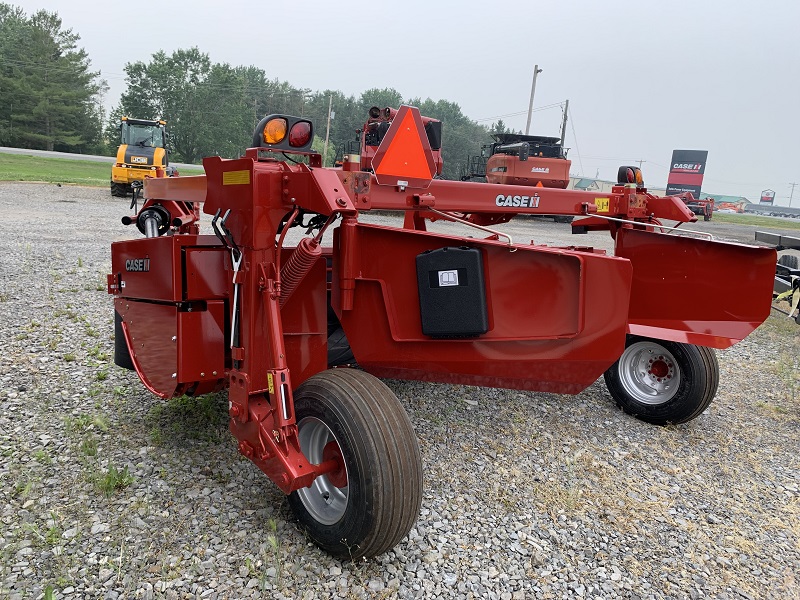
(702, 377)
(371, 412)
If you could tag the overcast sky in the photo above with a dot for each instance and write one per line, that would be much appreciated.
(642, 78)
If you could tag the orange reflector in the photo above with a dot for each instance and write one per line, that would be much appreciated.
(275, 131)
(404, 157)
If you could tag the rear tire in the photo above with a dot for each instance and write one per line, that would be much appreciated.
(788, 260)
(119, 190)
(663, 382)
(369, 505)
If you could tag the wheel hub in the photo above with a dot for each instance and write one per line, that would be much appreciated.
(659, 368)
(649, 373)
(327, 496)
(332, 451)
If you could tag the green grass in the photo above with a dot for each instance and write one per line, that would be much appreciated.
(80, 424)
(186, 418)
(24, 167)
(113, 480)
(757, 221)
(89, 445)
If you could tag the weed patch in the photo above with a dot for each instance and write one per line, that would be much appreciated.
(187, 418)
(112, 480)
(82, 423)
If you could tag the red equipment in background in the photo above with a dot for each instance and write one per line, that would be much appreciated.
(276, 318)
(517, 159)
(377, 126)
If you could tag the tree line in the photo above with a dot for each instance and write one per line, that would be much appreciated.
(53, 100)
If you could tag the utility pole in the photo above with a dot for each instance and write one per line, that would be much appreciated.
(536, 71)
(792, 193)
(640, 163)
(327, 132)
(564, 123)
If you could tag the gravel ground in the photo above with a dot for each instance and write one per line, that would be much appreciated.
(108, 492)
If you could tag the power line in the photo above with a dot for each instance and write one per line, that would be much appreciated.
(522, 112)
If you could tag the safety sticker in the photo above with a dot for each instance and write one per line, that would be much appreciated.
(601, 204)
(270, 383)
(235, 177)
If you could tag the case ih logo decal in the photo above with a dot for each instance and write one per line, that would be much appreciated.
(540, 170)
(687, 167)
(137, 265)
(521, 201)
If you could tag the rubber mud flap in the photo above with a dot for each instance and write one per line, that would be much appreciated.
(122, 355)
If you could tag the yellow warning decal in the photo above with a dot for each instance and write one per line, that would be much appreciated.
(601, 204)
(235, 177)
(270, 383)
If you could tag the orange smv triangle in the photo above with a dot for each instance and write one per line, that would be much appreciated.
(405, 156)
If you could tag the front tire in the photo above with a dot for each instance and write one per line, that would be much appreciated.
(663, 382)
(370, 503)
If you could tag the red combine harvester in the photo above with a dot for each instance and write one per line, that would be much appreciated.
(246, 310)
(518, 159)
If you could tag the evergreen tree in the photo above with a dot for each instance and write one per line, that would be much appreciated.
(51, 98)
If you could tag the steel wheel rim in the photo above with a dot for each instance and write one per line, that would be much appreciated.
(325, 502)
(649, 373)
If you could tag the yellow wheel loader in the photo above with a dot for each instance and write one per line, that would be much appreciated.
(142, 153)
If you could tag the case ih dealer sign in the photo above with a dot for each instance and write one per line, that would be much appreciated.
(686, 172)
(767, 197)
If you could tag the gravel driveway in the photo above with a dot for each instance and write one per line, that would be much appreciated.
(108, 492)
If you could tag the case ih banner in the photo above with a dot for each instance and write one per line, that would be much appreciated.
(686, 172)
(767, 197)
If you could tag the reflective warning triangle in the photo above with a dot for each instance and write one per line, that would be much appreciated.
(404, 157)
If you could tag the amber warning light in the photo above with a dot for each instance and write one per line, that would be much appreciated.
(284, 133)
(405, 158)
